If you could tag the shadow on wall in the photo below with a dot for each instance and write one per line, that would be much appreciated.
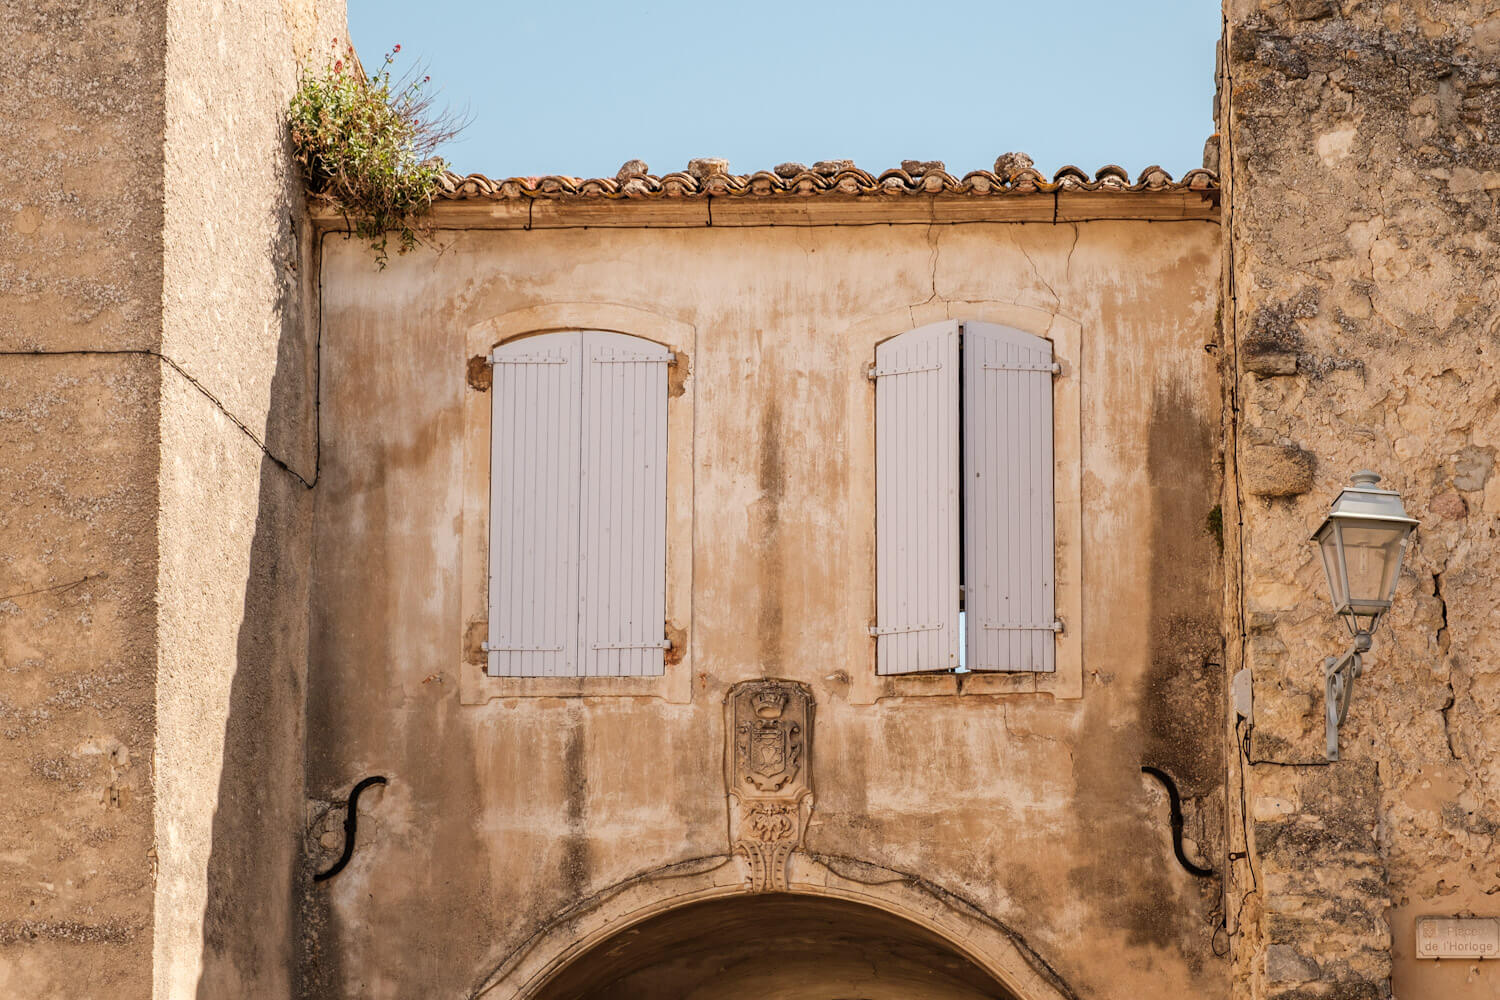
(775, 945)
(249, 921)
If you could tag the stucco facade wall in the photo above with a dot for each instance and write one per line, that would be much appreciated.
(1361, 167)
(501, 815)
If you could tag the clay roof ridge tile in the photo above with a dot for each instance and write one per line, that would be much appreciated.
(708, 176)
(1071, 177)
(1154, 178)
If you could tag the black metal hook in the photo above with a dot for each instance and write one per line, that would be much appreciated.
(351, 821)
(1176, 801)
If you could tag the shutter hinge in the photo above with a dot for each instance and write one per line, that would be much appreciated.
(897, 629)
(663, 644)
(670, 358)
(491, 648)
(875, 373)
(1056, 626)
(526, 359)
(1054, 368)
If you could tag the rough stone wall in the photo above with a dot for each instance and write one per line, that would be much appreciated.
(80, 272)
(155, 329)
(1361, 315)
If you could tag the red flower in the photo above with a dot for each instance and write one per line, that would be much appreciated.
(397, 48)
(338, 67)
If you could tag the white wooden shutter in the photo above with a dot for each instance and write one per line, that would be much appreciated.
(916, 500)
(623, 553)
(1008, 517)
(534, 491)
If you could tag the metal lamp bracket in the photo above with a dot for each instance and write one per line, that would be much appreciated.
(1339, 674)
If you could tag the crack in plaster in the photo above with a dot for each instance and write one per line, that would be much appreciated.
(1442, 639)
(196, 384)
(1056, 299)
(933, 241)
(1068, 264)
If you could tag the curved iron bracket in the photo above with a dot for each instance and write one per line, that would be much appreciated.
(351, 821)
(1176, 802)
(1339, 674)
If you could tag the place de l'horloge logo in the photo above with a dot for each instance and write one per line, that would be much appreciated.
(768, 725)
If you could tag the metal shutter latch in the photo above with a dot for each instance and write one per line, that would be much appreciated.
(1056, 626)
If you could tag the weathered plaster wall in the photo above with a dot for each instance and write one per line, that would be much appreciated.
(80, 270)
(238, 316)
(152, 556)
(499, 816)
(1362, 166)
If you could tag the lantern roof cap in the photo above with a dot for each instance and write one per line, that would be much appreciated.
(1364, 501)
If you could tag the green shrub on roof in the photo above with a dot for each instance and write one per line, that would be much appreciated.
(365, 142)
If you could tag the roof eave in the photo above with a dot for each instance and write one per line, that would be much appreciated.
(1061, 205)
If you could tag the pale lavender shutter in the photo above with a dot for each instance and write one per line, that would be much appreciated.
(916, 500)
(534, 482)
(623, 554)
(1008, 517)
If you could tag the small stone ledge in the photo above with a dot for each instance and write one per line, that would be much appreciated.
(1272, 470)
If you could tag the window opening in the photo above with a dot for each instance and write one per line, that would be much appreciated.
(965, 408)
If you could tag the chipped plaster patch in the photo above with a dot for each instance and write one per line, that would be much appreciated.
(1334, 147)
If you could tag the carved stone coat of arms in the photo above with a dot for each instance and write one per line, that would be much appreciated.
(766, 770)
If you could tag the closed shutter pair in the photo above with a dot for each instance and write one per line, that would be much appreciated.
(964, 500)
(578, 490)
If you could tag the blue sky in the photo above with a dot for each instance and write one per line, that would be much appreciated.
(578, 88)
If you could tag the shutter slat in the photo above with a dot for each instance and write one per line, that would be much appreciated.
(623, 535)
(534, 493)
(1008, 499)
(916, 503)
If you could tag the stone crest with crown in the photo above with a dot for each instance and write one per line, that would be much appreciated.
(769, 728)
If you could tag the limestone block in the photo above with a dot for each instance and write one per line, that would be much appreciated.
(1267, 807)
(1285, 965)
(1311, 10)
(1449, 506)
(1278, 470)
(1472, 467)
(1271, 362)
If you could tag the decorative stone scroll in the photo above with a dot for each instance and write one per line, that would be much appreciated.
(768, 730)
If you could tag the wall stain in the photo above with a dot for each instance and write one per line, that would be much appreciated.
(1181, 712)
(1134, 881)
(766, 527)
(575, 844)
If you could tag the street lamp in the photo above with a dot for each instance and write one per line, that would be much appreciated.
(1362, 541)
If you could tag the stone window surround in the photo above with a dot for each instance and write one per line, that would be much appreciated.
(675, 684)
(1066, 333)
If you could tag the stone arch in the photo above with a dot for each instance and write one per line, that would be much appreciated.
(962, 928)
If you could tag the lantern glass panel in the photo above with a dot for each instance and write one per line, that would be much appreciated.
(1328, 545)
(1372, 559)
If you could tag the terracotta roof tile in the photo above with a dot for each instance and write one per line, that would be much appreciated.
(1013, 173)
